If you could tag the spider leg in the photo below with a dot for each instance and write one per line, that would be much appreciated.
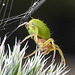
(27, 37)
(8, 35)
(41, 45)
(32, 53)
(52, 41)
(45, 52)
(35, 39)
(61, 54)
(32, 35)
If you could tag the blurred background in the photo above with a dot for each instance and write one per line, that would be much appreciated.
(58, 15)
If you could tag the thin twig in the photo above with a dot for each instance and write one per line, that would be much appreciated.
(25, 15)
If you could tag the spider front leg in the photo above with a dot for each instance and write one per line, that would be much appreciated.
(35, 39)
(32, 35)
(27, 37)
(32, 53)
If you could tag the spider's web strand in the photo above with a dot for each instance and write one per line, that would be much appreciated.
(13, 17)
(1, 6)
(10, 8)
(25, 15)
(6, 8)
(1, 28)
(4, 11)
(0, 1)
(9, 13)
(18, 16)
(18, 19)
(8, 35)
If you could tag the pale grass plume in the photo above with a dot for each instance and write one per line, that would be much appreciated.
(11, 63)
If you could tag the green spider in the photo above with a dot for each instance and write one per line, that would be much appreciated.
(40, 33)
